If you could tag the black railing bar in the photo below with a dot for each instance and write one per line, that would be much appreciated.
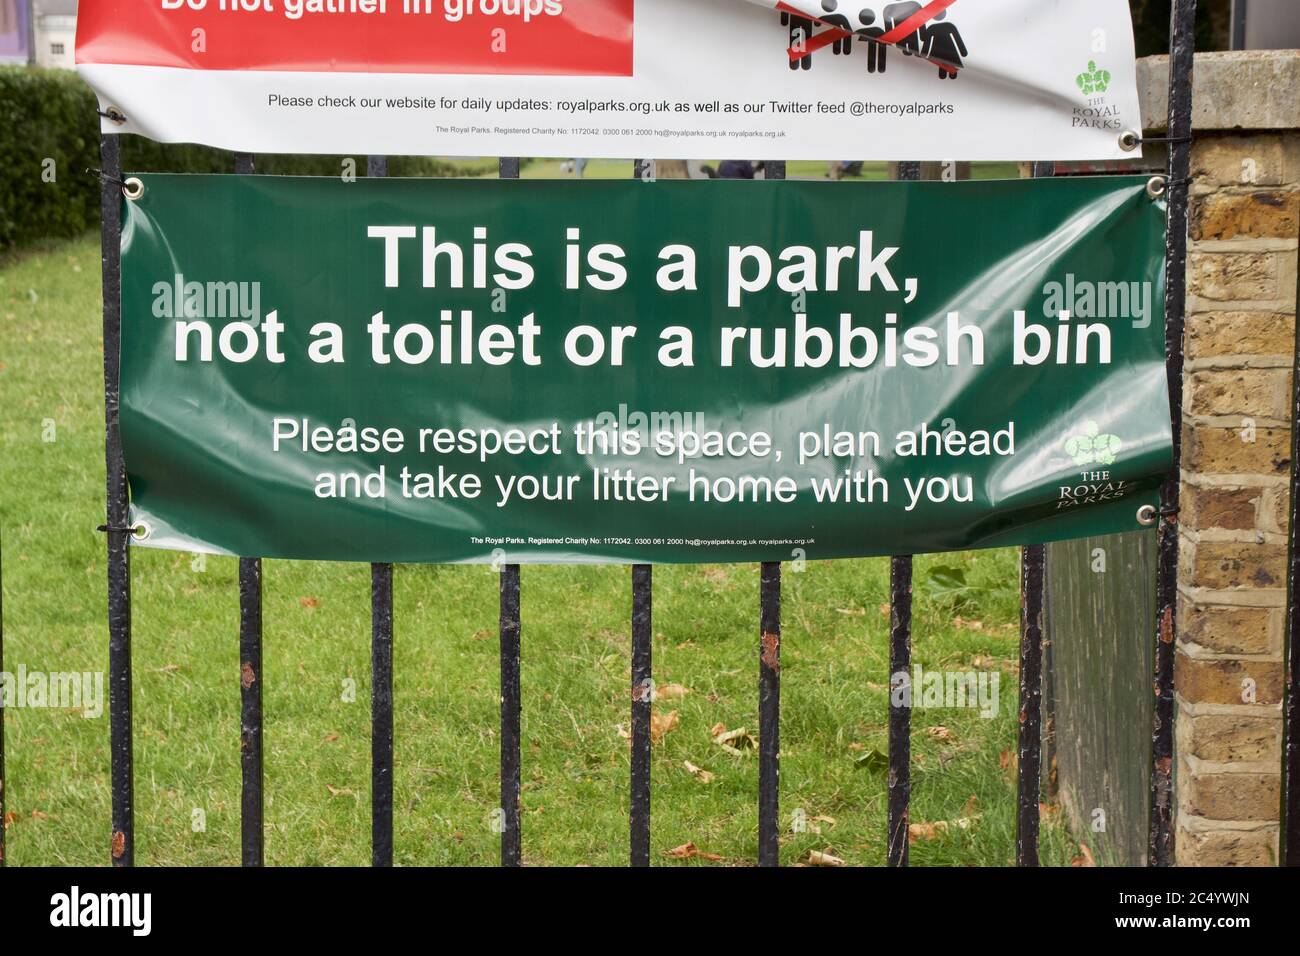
(121, 749)
(642, 684)
(1182, 46)
(769, 715)
(899, 783)
(1030, 736)
(642, 699)
(1290, 815)
(1029, 743)
(381, 714)
(251, 679)
(769, 682)
(508, 822)
(381, 679)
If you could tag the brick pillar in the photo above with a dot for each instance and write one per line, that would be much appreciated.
(1240, 343)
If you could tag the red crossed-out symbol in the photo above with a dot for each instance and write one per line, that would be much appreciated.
(904, 29)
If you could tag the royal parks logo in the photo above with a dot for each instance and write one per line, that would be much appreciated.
(1096, 112)
(1093, 451)
(1093, 80)
(1090, 446)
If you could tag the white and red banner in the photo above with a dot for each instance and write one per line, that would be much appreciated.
(673, 79)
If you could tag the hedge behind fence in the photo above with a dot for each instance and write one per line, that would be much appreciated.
(49, 137)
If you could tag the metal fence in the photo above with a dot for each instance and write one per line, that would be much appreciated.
(1032, 586)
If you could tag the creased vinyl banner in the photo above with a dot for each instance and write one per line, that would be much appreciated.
(438, 371)
(674, 79)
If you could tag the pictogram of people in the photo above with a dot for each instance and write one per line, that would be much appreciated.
(843, 45)
(801, 31)
(897, 14)
(871, 30)
(944, 46)
(937, 40)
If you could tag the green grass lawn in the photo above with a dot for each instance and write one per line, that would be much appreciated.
(575, 676)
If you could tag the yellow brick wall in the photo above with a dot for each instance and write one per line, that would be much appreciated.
(1240, 342)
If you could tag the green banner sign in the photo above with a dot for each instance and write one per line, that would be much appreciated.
(442, 371)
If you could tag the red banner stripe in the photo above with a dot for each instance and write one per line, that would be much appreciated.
(589, 39)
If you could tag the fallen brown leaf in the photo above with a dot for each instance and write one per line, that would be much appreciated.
(939, 733)
(817, 858)
(1009, 761)
(670, 692)
(660, 724)
(688, 851)
(309, 602)
(924, 831)
(738, 741)
(932, 831)
(1084, 858)
(700, 774)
